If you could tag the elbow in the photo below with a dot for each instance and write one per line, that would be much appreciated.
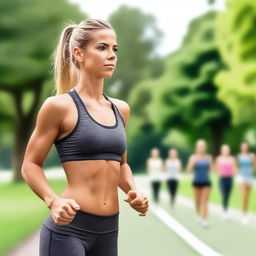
(25, 169)
(24, 172)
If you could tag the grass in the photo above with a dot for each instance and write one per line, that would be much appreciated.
(22, 212)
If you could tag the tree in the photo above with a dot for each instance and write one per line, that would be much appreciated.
(137, 37)
(185, 96)
(236, 39)
(28, 38)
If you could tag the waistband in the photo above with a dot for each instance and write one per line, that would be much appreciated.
(85, 221)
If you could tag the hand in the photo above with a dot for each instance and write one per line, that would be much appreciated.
(63, 210)
(137, 201)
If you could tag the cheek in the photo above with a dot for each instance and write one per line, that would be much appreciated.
(93, 61)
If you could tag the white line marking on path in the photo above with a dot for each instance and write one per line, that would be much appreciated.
(186, 235)
(181, 231)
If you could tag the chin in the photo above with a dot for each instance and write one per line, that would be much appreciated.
(107, 75)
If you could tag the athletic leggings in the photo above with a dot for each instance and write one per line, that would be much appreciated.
(155, 184)
(86, 235)
(226, 184)
(172, 185)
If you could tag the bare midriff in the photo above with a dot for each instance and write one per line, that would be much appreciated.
(93, 184)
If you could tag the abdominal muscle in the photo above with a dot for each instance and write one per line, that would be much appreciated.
(93, 184)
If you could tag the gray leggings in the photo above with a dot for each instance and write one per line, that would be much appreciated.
(86, 235)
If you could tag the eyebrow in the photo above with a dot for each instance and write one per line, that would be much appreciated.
(106, 44)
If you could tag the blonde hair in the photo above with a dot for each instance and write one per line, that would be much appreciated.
(65, 66)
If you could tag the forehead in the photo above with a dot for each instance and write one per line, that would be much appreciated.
(104, 35)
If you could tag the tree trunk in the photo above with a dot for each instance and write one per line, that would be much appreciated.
(217, 134)
(23, 127)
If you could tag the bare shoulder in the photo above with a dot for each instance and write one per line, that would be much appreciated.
(54, 107)
(192, 157)
(123, 108)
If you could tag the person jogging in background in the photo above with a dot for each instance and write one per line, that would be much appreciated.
(172, 167)
(201, 163)
(154, 168)
(226, 167)
(246, 163)
(87, 128)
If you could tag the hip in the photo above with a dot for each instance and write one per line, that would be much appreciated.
(85, 222)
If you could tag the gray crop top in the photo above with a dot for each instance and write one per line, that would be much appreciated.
(90, 139)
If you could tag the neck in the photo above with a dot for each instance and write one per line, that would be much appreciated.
(90, 87)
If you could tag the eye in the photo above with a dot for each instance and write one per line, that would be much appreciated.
(101, 48)
(115, 49)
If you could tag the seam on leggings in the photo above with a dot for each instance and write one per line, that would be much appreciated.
(49, 248)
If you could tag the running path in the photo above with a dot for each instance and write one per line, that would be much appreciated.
(138, 236)
(228, 238)
(29, 246)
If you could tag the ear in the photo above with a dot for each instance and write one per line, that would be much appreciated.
(78, 54)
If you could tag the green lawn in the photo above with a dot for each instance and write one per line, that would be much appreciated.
(22, 212)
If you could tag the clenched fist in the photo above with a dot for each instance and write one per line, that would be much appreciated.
(63, 210)
(138, 201)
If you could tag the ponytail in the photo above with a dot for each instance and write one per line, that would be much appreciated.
(65, 74)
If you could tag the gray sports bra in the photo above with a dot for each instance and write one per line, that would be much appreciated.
(90, 139)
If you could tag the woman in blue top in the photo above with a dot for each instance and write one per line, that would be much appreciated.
(246, 162)
(201, 163)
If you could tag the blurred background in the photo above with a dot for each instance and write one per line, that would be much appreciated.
(186, 68)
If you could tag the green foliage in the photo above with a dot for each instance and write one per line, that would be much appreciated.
(184, 97)
(236, 40)
(137, 37)
(28, 37)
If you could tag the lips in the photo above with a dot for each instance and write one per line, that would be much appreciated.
(112, 65)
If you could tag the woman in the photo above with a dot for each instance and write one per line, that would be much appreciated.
(201, 163)
(155, 171)
(246, 161)
(88, 130)
(226, 168)
(173, 167)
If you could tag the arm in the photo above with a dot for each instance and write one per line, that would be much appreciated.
(46, 130)
(212, 167)
(190, 165)
(253, 162)
(126, 180)
(163, 168)
(235, 165)
(215, 165)
(135, 198)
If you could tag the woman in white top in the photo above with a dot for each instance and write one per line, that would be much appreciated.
(155, 171)
(172, 167)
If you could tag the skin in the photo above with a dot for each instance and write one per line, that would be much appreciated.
(172, 155)
(154, 154)
(92, 184)
(244, 187)
(201, 194)
(225, 157)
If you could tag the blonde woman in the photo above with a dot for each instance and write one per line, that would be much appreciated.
(201, 163)
(87, 128)
(226, 168)
(172, 167)
(155, 171)
(246, 163)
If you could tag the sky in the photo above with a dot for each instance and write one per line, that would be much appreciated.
(172, 16)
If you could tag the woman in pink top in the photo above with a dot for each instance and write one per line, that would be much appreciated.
(226, 167)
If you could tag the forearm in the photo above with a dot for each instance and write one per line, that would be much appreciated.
(126, 180)
(34, 176)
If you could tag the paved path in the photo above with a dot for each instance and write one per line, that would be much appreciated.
(224, 237)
